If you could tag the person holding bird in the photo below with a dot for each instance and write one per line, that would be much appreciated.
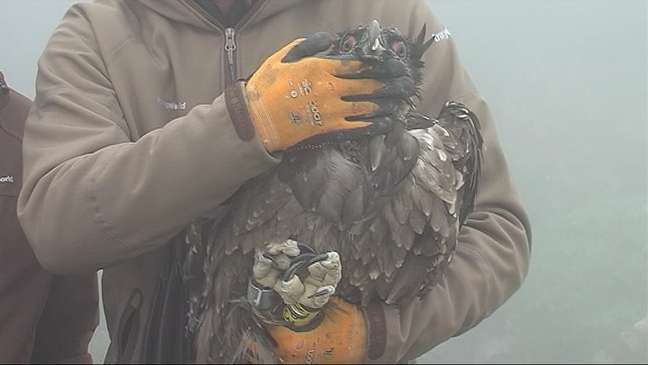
(150, 116)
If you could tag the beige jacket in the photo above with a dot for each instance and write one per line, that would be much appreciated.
(129, 140)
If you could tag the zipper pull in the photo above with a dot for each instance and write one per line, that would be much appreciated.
(230, 47)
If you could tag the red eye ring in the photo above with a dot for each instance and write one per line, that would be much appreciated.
(400, 49)
(347, 44)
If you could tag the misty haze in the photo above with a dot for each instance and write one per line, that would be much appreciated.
(567, 85)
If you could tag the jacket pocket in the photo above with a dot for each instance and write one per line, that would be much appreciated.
(128, 328)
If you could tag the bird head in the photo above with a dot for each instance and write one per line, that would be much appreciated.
(371, 42)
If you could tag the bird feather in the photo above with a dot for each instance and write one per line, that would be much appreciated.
(391, 205)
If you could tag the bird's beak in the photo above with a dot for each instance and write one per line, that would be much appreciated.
(373, 45)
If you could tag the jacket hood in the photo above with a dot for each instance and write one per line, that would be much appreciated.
(189, 12)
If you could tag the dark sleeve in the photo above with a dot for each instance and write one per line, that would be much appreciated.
(68, 321)
(23, 283)
(49, 318)
(23, 287)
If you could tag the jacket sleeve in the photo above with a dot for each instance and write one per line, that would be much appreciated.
(43, 318)
(93, 196)
(493, 251)
(68, 321)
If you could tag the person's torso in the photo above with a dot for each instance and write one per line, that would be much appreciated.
(165, 58)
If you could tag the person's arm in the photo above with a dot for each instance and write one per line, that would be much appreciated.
(492, 256)
(44, 318)
(489, 265)
(68, 321)
(94, 196)
(23, 283)
(493, 251)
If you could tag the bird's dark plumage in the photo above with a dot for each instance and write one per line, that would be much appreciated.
(390, 205)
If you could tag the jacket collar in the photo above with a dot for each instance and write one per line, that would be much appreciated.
(189, 12)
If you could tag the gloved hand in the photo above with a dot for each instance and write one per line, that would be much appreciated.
(294, 96)
(340, 338)
(305, 282)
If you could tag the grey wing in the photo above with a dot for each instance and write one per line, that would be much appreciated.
(463, 142)
(230, 240)
(408, 246)
(292, 200)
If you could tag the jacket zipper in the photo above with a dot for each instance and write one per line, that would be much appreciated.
(230, 48)
(230, 42)
(230, 71)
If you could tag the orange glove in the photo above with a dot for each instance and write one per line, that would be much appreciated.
(307, 322)
(340, 337)
(292, 97)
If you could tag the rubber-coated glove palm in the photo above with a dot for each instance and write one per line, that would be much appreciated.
(340, 338)
(293, 97)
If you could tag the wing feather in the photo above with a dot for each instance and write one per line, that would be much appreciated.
(392, 206)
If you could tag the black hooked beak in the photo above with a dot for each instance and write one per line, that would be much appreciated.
(373, 46)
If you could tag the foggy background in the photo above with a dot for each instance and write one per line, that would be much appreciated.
(567, 84)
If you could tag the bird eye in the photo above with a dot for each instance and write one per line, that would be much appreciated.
(400, 49)
(347, 43)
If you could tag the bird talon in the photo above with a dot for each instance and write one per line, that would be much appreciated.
(327, 290)
(318, 258)
(304, 259)
(292, 270)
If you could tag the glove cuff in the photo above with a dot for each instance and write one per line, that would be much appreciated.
(377, 330)
(237, 107)
(246, 117)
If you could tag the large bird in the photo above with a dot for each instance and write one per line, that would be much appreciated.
(391, 206)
